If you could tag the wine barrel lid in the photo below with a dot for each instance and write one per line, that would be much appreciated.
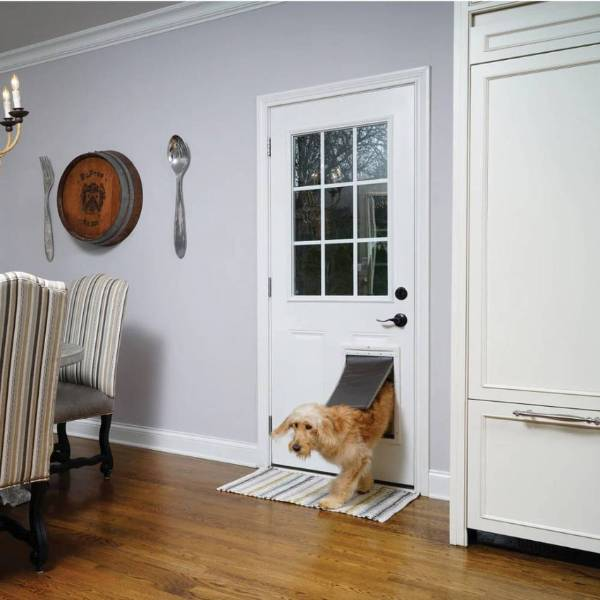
(100, 197)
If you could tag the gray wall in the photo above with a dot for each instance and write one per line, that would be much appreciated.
(32, 22)
(188, 355)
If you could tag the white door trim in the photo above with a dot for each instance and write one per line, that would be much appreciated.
(463, 13)
(458, 354)
(419, 78)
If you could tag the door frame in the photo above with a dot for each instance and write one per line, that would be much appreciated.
(419, 78)
(463, 15)
(458, 334)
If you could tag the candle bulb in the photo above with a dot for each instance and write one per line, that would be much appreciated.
(16, 94)
(6, 102)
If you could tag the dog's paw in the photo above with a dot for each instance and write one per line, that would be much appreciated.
(365, 486)
(330, 503)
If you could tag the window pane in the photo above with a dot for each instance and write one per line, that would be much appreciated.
(338, 213)
(371, 148)
(372, 210)
(372, 269)
(307, 159)
(307, 270)
(307, 215)
(338, 270)
(338, 156)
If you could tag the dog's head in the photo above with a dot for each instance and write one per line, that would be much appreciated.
(309, 424)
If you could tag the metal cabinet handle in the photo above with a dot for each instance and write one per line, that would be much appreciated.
(567, 418)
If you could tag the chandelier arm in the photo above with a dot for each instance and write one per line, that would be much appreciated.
(7, 146)
(11, 141)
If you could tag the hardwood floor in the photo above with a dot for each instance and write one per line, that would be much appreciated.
(159, 530)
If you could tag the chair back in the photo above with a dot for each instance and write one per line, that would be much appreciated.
(94, 320)
(32, 314)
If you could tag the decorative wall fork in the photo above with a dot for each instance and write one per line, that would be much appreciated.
(48, 174)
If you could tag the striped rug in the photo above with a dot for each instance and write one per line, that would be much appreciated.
(307, 489)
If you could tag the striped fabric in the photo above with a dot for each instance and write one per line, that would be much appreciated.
(94, 321)
(308, 489)
(32, 314)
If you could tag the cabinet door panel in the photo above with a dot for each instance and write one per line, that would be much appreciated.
(534, 477)
(533, 28)
(534, 275)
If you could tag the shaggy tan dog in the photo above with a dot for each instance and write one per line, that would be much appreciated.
(343, 436)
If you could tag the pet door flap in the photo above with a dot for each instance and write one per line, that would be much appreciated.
(361, 380)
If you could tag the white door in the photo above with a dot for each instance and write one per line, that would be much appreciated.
(342, 240)
(534, 329)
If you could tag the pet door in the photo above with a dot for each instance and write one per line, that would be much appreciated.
(360, 382)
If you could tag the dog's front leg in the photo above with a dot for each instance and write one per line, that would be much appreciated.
(365, 481)
(344, 485)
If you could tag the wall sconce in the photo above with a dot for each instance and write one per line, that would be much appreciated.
(13, 115)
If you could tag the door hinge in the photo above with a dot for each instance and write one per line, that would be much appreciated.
(269, 147)
(270, 424)
(270, 287)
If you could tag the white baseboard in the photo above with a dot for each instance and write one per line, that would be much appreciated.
(175, 442)
(439, 485)
(207, 447)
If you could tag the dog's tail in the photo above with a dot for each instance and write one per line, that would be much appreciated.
(382, 409)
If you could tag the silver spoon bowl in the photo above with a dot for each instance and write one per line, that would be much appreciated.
(179, 157)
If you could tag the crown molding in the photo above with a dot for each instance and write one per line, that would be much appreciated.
(183, 14)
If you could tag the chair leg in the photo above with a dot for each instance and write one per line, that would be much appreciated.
(107, 459)
(39, 538)
(63, 446)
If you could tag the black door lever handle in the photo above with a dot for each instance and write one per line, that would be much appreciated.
(399, 320)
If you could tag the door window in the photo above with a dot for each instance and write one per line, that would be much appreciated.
(341, 212)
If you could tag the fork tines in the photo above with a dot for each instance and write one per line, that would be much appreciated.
(48, 172)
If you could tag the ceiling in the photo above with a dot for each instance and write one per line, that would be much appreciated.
(25, 23)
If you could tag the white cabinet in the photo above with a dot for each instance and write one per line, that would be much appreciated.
(535, 477)
(534, 230)
(526, 273)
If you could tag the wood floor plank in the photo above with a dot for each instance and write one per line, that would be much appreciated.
(160, 530)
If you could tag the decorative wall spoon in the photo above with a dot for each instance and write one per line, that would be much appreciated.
(179, 157)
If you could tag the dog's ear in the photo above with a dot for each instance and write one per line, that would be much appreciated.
(282, 429)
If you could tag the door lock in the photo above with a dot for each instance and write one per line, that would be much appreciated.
(401, 293)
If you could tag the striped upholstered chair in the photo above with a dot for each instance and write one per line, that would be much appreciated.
(87, 389)
(32, 314)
